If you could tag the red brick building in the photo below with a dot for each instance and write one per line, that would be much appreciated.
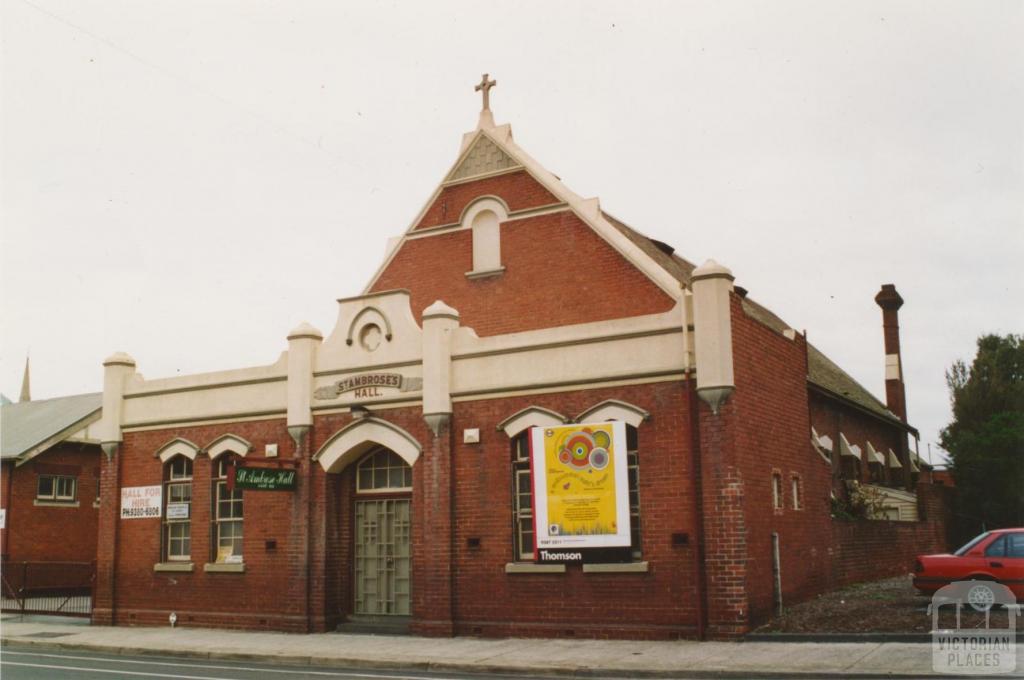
(398, 443)
(49, 492)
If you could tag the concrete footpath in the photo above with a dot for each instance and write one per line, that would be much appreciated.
(527, 656)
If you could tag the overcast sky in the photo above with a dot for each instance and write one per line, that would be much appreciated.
(187, 181)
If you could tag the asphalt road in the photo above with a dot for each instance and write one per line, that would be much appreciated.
(28, 663)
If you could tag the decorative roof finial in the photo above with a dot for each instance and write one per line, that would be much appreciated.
(486, 118)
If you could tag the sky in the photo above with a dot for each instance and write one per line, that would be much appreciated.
(187, 181)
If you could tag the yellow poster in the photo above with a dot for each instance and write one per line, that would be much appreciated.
(580, 486)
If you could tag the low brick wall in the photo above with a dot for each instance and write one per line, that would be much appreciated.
(870, 550)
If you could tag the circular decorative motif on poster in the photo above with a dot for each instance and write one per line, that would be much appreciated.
(599, 458)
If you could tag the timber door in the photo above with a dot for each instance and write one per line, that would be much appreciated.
(382, 536)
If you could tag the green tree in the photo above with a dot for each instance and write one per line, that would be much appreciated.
(985, 441)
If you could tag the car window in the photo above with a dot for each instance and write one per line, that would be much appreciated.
(970, 544)
(1015, 545)
(996, 548)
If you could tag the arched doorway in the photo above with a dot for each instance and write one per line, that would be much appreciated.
(382, 548)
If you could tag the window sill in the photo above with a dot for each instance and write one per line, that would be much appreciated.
(174, 566)
(485, 273)
(95, 504)
(616, 568)
(55, 504)
(224, 568)
(531, 568)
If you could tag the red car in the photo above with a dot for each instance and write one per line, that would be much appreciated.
(993, 556)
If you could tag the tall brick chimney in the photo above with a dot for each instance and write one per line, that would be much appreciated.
(895, 394)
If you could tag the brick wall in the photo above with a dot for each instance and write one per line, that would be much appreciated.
(870, 550)
(558, 272)
(272, 591)
(53, 532)
(831, 416)
(772, 436)
(517, 189)
(661, 603)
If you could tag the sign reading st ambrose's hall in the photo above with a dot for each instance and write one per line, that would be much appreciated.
(580, 493)
(369, 385)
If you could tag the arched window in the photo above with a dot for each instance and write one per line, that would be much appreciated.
(522, 494)
(522, 497)
(177, 543)
(484, 217)
(227, 513)
(383, 471)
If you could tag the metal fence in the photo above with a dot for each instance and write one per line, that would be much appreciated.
(58, 588)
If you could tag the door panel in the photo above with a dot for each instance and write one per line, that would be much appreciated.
(383, 555)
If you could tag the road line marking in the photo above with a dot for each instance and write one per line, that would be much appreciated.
(119, 671)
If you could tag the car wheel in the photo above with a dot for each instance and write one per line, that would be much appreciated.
(981, 596)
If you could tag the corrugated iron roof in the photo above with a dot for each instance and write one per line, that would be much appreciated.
(27, 424)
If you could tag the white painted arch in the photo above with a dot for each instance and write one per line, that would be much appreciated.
(531, 416)
(179, 446)
(228, 443)
(613, 409)
(348, 444)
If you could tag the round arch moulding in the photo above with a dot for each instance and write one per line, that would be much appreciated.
(179, 446)
(349, 443)
(479, 204)
(613, 409)
(227, 443)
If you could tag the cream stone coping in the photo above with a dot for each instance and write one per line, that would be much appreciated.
(55, 504)
(224, 568)
(179, 446)
(613, 409)
(531, 568)
(531, 416)
(557, 387)
(227, 443)
(515, 215)
(638, 349)
(349, 443)
(486, 273)
(340, 350)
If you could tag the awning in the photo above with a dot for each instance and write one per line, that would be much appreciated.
(874, 456)
(894, 462)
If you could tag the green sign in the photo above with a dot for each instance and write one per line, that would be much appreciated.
(264, 479)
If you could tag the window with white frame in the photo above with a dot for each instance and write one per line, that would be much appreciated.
(522, 497)
(522, 494)
(633, 464)
(383, 471)
(798, 500)
(177, 509)
(227, 513)
(57, 488)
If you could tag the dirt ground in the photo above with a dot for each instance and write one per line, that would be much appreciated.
(888, 606)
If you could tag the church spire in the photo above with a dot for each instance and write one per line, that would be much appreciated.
(26, 392)
(486, 117)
